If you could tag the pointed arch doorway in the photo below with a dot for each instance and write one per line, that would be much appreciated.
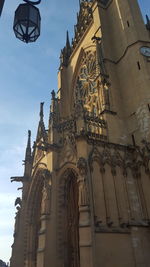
(71, 221)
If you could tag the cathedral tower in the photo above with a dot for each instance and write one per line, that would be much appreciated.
(86, 185)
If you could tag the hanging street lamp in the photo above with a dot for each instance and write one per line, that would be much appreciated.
(1, 6)
(27, 21)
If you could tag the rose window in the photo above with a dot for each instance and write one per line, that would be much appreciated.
(86, 90)
(86, 81)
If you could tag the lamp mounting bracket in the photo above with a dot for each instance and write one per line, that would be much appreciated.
(32, 2)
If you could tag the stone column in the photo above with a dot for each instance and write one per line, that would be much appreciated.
(85, 238)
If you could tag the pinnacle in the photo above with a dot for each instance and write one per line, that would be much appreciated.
(28, 149)
(53, 94)
(41, 111)
(29, 139)
(41, 128)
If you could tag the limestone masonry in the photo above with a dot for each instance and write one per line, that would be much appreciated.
(86, 184)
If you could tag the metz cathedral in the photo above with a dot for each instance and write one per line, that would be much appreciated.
(86, 184)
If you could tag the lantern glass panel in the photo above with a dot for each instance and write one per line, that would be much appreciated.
(33, 15)
(22, 12)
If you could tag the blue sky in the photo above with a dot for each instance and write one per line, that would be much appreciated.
(27, 76)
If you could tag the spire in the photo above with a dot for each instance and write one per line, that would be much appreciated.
(28, 148)
(28, 157)
(41, 133)
(65, 52)
(67, 41)
(67, 48)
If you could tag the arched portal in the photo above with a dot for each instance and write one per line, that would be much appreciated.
(70, 219)
(33, 216)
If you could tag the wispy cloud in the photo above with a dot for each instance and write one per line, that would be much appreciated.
(5, 247)
(7, 213)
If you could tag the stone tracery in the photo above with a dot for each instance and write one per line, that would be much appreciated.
(91, 89)
(86, 86)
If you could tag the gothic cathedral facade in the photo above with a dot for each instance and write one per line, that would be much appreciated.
(86, 185)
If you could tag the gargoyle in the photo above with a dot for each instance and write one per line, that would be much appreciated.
(18, 201)
(19, 188)
(16, 179)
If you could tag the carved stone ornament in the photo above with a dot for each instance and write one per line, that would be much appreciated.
(17, 179)
(83, 193)
(82, 166)
(79, 110)
(18, 201)
(82, 181)
(66, 125)
(46, 195)
(68, 152)
(125, 158)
